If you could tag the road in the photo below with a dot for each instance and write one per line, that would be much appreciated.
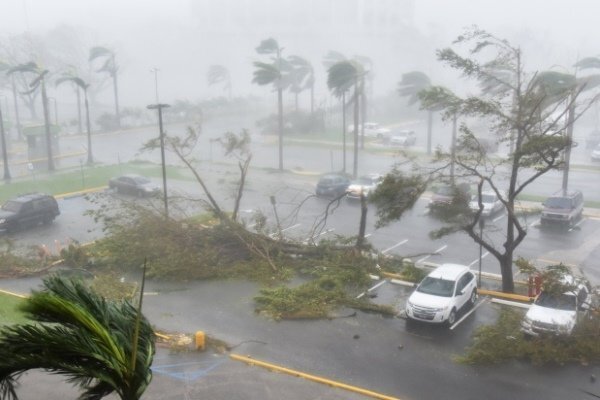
(389, 356)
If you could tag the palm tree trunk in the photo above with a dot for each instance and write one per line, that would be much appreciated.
(4, 151)
(16, 102)
(363, 112)
(344, 132)
(116, 90)
(356, 110)
(429, 129)
(312, 99)
(280, 125)
(47, 127)
(570, 122)
(90, 159)
(79, 129)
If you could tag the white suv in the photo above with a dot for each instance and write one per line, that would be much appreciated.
(557, 313)
(442, 293)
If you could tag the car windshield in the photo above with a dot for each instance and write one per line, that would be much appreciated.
(140, 180)
(437, 287)
(326, 181)
(12, 206)
(557, 301)
(558, 202)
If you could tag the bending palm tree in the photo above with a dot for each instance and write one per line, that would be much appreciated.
(101, 346)
(341, 76)
(273, 74)
(39, 82)
(110, 66)
(303, 77)
(83, 86)
(331, 58)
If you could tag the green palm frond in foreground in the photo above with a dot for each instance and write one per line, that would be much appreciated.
(78, 334)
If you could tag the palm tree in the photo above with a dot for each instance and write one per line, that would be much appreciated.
(109, 66)
(302, 77)
(273, 73)
(330, 59)
(367, 76)
(80, 84)
(219, 74)
(342, 76)
(5, 67)
(410, 86)
(39, 82)
(101, 346)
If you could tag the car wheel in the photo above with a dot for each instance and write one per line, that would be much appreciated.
(452, 317)
(473, 298)
(47, 220)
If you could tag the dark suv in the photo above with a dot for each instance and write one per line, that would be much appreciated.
(332, 185)
(28, 210)
(562, 209)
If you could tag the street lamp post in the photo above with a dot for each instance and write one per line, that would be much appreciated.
(55, 110)
(4, 152)
(159, 107)
(481, 226)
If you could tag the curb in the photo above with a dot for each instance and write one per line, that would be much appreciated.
(276, 368)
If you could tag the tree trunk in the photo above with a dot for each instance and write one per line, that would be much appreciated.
(116, 90)
(16, 102)
(312, 99)
(4, 151)
(90, 159)
(506, 264)
(344, 132)
(363, 112)
(79, 124)
(356, 110)
(453, 148)
(280, 125)
(429, 130)
(47, 127)
(569, 132)
(360, 240)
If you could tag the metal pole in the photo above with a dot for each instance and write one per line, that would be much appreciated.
(569, 133)
(159, 107)
(481, 225)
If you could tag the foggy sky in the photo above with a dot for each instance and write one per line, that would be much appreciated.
(169, 35)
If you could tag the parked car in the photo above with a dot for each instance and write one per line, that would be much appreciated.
(557, 313)
(28, 210)
(402, 138)
(444, 193)
(442, 294)
(134, 185)
(372, 130)
(491, 203)
(596, 153)
(365, 184)
(332, 185)
(592, 140)
(563, 209)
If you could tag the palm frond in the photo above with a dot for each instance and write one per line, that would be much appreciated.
(99, 51)
(268, 46)
(265, 73)
(74, 79)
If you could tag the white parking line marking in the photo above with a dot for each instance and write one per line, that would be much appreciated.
(394, 246)
(469, 313)
(536, 222)
(370, 289)
(283, 230)
(320, 234)
(367, 235)
(499, 218)
(484, 255)
(420, 260)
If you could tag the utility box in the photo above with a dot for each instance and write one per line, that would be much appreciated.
(200, 341)
(37, 148)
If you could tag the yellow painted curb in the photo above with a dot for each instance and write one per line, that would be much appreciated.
(91, 190)
(314, 378)
(510, 296)
(13, 294)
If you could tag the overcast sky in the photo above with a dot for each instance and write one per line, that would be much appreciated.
(149, 33)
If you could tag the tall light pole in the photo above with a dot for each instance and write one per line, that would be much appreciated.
(4, 152)
(159, 107)
(55, 110)
(481, 226)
